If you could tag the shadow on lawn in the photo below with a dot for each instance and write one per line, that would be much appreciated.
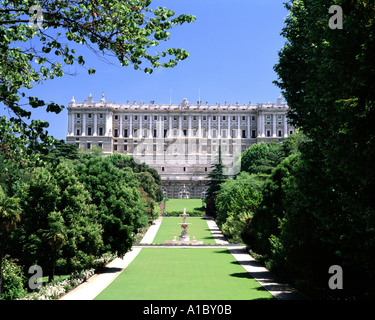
(107, 270)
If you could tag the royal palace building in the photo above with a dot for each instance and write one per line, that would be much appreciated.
(181, 141)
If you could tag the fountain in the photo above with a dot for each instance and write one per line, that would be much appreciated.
(184, 238)
(184, 235)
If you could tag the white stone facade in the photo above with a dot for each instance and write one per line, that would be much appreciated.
(181, 140)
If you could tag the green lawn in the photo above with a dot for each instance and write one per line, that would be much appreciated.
(170, 228)
(180, 204)
(184, 274)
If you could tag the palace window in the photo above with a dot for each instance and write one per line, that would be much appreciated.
(100, 131)
(88, 145)
(89, 131)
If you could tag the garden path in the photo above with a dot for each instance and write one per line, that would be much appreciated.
(93, 286)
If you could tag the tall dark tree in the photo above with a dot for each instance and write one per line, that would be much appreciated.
(216, 178)
(10, 215)
(326, 75)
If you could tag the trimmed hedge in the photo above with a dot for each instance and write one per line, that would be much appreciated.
(194, 213)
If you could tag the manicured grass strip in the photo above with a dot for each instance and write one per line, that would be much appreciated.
(170, 228)
(184, 274)
(180, 204)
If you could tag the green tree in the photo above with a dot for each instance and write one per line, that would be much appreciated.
(216, 178)
(60, 229)
(236, 202)
(10, 215)
(13, 280)
(326, 77)
(61, 150)
(32, 54)
(261, 158)
(266, 219)
(121, 207)
(55, 236)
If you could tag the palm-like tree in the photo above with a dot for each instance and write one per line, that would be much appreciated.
(10, 215)
(55, 237)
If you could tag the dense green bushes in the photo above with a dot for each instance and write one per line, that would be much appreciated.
(74, 211)
(13, 280)
(235, 204)
(299, 220)
(192, 213)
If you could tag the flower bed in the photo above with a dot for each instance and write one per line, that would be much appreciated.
(56, 289)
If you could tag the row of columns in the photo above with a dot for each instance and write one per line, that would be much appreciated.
(261, 125)
(159, 126)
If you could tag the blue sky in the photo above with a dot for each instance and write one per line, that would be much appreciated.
(233, 47)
